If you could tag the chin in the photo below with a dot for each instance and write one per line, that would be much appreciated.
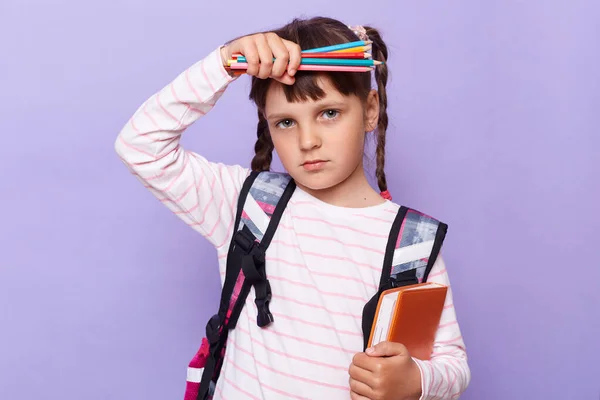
(316, 181)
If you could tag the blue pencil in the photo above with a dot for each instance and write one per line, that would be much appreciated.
(336, 47)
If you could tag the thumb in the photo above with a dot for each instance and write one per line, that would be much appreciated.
(386, 349)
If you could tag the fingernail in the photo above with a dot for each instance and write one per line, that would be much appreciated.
(292, 71)
(370, 350)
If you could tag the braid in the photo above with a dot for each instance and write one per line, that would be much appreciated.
(263, 148)
(381, 77)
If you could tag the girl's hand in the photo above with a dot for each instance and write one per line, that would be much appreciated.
(259, 50)
(384, 372)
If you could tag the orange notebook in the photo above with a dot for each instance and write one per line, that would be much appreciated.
(410, 315)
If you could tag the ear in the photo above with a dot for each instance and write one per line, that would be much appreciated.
(372, 111)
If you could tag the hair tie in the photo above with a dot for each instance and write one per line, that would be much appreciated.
(386, 195)
(359, 31)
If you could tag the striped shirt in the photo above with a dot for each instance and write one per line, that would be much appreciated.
(324, 262)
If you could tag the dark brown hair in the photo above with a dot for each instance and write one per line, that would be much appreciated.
(320, 32)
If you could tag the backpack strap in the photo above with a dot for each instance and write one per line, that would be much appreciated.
(261, 204)
(413, 246)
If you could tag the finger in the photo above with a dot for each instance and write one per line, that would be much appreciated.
(286, 79)
(295, 54)
(250, 51)
(387, 349)
(355, 396)
(365, 362)
(266, 57)
(281, 55)
(360, 389)
(360, 374)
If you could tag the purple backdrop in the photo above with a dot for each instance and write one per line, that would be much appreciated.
(495, 110)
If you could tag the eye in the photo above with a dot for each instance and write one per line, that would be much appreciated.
(285, 124)
(331, 114)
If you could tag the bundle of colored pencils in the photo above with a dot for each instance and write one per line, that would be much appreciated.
(345, 57)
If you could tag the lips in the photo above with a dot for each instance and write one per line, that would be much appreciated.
(314, 165)
(313, 162)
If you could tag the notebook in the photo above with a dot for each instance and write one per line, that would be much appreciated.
(410, 315)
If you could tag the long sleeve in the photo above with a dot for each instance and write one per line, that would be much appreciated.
(201, 193)
(446, 375)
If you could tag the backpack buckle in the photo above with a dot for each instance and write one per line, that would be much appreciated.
(264, 316)
(213, 330)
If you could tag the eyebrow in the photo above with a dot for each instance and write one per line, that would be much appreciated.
(322, 106)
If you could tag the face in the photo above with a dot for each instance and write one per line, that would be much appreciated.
(321, 143)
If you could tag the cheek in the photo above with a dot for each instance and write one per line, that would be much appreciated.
(283, 147)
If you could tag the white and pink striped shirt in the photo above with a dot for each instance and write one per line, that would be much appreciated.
(324, 262)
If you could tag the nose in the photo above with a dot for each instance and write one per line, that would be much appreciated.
(309, 138)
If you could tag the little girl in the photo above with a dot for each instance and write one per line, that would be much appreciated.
(324, 261)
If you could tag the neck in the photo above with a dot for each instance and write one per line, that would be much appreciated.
(353, 192)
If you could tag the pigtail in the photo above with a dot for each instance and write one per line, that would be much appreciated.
(263, 148)
(380, 52)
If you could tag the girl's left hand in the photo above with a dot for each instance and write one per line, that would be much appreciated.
(384, 372)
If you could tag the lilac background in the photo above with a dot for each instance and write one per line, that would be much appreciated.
(495, 109)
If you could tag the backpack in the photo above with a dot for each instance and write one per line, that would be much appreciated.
(414, 242)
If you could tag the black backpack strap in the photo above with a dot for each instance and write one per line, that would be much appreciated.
(410, 228)
(245, 268)
(252, 263)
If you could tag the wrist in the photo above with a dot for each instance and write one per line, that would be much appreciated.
(224, 55)
(415, 387)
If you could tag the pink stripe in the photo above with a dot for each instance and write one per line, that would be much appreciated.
(262, 385)
(329, 223)
(212, 199)
(189, 82)
(318, 237)
(325, 384)
(278, 278)
(287, 355)
(186, 161)
(189, 107)
(443, 353)
(331, 257)
(307, 285)
(214, 228)
(431, 375)
(328, 327)
(136, 149)
(150, 116)
(349, 278)
(451, 305)
(134, 127)
(448, 341)
(448, 380)
(439, 386)
(268, 208)
(439, 273)
(400, 233)
(212, 88)
(239, 389)
(227, 237)
(162, 107)
(448, 324)
(371, 218)
(339, 258)
(316, 306)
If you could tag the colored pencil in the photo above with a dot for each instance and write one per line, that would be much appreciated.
(332, 54)
(337, 47)
(325, 61)
(330, 68)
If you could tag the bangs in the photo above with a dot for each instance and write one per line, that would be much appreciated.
(307, 85)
